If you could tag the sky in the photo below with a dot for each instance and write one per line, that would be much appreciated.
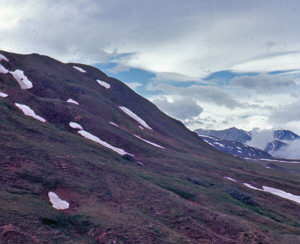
(211, 64)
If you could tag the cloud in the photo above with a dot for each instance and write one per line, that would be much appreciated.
(134, 85)
(200, 93)
(286, 114)
(286, 61)
(260, 139)
(174, 77)
(180, 108)
(194, 38)
(264, 83)
(291, 151)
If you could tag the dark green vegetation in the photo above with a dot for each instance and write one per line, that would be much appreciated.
(177, 195)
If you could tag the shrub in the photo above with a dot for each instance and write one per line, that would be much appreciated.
(241, 196)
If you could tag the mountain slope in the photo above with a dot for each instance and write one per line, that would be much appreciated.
(235, 148)
(174, 193)
(231, 134)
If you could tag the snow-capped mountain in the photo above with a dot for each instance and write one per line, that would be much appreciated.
(270, 141)
(274, 146)
(285, 135)
(235, 148)
(232, 134)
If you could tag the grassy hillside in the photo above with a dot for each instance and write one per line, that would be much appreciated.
(172, 195)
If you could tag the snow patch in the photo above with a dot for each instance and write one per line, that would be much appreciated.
(228, 178)
(57, 202)
(74, 125)
(3, 70)
(141, 127)
(114, 124)
(135, 117)
(276, 192)
(70, 100)
(149, 142)
(281, 161)
(252, 187)
(29, 112)
(140, 163)
(21, 79)
(219, 144)
(3, 57)
(79, 69)
(103, 83)
(91, 137)
(209, 143)
(282, 194)
(2, 94)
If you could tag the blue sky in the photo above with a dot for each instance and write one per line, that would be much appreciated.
(212, 64)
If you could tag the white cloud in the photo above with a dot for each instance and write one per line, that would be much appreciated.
(291, 151)
(190, 38)
(134, 85)
(179, 42)
(182, 108)
(264, 83)
(288, 61)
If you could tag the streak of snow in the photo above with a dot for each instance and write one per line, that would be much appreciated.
(103, 83)
(74, 125)
(135, 117)
(29, 112)
(141, 127)
(277, 192)
(282, 194)
(57, 202)
(219, 144)
(149, 142)
(281, 161)
(114, 124)
(70, 100)
(79, 69)
(3, 57)
(2, 94)
(209, 143)
(21, 79)
(103, 143)
(252, 187)
(228, 178)
(3, 70)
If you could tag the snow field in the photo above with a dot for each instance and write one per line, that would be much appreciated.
(29, 112)
(70, 100)
(135, 117)
(103, 83)
(21, 79)
(56, 202)
(79, 69)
